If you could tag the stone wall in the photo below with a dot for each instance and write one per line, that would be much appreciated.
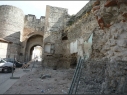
(55, 22)
(99, 31)
(81, 31)
(103, 77)
(33, 25)
(55, 18)
(110, 38)
(11, 26)
(107, 22)
(85, 9)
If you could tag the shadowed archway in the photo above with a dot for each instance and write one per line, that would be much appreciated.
(32, 41)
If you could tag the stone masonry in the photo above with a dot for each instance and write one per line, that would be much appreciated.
(105, 72)
(11, 26)
(55, 23)
(98, 30)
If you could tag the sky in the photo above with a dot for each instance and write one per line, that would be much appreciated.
(38, 8)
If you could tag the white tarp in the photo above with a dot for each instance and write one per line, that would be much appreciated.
(73, 47)
(87, 46)
(47, 48)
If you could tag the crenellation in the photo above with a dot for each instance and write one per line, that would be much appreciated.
(33, 25)
(32, 18)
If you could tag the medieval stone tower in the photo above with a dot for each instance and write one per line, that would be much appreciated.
(11, 27)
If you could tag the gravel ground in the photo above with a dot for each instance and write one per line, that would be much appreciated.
(31, 83)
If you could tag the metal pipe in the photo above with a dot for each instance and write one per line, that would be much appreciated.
(74, 77)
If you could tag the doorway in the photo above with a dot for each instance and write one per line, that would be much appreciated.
(36, 52)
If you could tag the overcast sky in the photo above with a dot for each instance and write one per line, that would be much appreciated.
(38, 8)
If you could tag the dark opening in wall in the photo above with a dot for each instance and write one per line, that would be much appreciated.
(21, 54)
(65, 38)
(49, 55)
(73, 60)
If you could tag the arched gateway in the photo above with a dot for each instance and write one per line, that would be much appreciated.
(32, 41)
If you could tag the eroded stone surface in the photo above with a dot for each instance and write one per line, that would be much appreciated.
(106, 20)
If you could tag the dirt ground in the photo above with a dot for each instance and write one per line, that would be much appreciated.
(31, 83)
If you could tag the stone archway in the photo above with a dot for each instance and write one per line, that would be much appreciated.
(34, 40)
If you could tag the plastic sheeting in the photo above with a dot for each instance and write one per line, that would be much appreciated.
(73, 47)
(48, 48)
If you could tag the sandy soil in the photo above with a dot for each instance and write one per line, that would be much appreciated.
(31, 83)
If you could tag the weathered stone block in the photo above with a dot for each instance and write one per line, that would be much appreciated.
(110, 3)
(116, 49)
(124, 58)
(112, 42)
(110, 53)
(122, 43)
